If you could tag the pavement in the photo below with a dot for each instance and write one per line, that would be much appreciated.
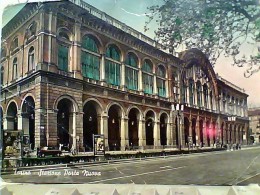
(239, 167)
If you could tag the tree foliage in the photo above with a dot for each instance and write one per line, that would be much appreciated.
(217, 27)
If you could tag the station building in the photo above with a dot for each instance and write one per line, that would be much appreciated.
(69, 71)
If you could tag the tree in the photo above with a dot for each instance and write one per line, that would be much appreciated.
(217, 27)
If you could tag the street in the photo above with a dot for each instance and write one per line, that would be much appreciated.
(240, 167)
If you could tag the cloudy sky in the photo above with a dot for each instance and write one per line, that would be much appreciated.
(133, 13)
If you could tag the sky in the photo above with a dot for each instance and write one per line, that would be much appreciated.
(133, 13)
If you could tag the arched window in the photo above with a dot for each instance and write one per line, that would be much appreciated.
(90, 58)
(211, 100)
(191, 91)
(15, 73)
(199, 98)
(63, 51)
(31, 65)
(147, 69)
(183, 88)
(131, 71)
(205, 93)
(2, 75)
(112, 65)
(224, 102)
(31, 30)
(14, 44)
(161, 80)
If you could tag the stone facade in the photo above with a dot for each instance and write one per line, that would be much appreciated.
(63, 105)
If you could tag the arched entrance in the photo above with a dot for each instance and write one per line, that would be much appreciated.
(114, 117)
(65, 123)
(133, 117)
(91, 112)
(28, 120)
(149, 124)
(163, 129)
(208, 132)
(201, 132)
(235, 136)
(214, 132)
(12, 121)
(222, 133)
(230, 134)
(193, 127)
(186, 130)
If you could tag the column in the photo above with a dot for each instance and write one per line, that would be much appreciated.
(52, 43)
(197, 130)
(122, 82)
(140, 81)
(52, 138)
(167, 94)
(181, 131)
(124, 133)
(79, 129)
(156, 134)
(141, 132)
(104, 128)
(155, 90)
(205, 133)
(102, 70)
(169, 133)
(174, 135)
(76, 55)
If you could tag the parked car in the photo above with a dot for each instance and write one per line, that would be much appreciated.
(48, 151)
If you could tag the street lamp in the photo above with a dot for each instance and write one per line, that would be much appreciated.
(178, 109)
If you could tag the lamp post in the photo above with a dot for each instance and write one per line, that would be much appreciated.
(178, 109)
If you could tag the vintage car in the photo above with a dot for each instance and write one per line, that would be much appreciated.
(48, 151)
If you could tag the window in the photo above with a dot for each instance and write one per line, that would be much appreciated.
(147, 77)
(131, 72)
(161, 81)
(15, 73)
(90, 58)
(31, 30)
(2, 75)
(63, 52)
(14, 44)
(199, 98)
(191, 91)
(211, 100)
(112, 65)
(205, 92)
(31, 64)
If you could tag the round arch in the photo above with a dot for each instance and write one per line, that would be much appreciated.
(135, 53)
(96, 101)
(196, 56)
(115, 103)
(28, 119)
(11, 116)
(131, 107)
(99, 41)
(56, 102)
(152, 63)
(134, 115)
(121, 52)
(115, 115)
(67, 31)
